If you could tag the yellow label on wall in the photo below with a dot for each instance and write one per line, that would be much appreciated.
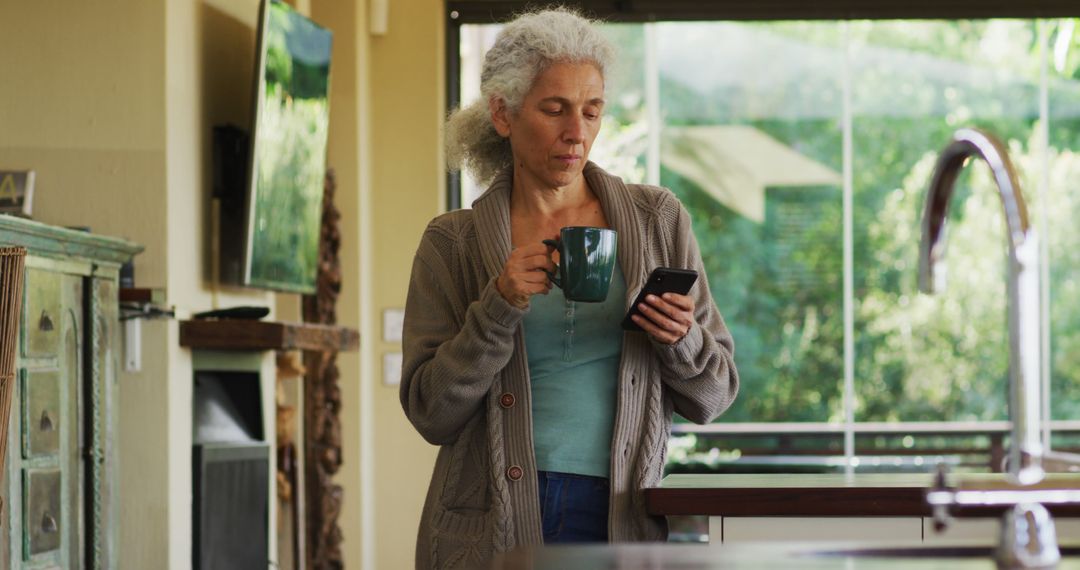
(16, 192)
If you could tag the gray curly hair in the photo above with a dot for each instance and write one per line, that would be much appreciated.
(522, 51)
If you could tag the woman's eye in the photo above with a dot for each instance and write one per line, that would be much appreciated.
(551, 112)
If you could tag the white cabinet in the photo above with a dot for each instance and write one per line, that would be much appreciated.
(814, 529)
(740, 530)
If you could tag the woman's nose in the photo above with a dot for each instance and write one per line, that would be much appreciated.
(574, 131)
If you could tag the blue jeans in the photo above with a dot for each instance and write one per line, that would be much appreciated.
(574, 507)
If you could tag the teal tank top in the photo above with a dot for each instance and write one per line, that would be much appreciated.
(573, 351)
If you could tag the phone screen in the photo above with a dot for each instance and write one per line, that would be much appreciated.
(661, 280)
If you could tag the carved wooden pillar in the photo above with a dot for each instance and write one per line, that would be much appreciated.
(322, 401)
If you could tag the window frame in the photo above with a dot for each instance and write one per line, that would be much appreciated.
(494, 11)
(461, 12)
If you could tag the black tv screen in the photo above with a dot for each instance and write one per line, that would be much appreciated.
(288, 151)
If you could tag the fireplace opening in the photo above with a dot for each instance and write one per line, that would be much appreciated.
(231, 473)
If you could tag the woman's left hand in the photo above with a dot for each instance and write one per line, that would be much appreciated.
(666, 319)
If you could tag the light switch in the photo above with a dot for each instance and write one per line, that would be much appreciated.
(393, 320)
(391, 369)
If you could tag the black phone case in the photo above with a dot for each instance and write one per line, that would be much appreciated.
(661, 280)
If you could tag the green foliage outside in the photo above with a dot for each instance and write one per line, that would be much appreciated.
(917, 357)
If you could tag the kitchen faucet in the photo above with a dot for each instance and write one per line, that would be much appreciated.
(1028, 539)
(1025, 466)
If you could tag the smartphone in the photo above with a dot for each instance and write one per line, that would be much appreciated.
(661, 280)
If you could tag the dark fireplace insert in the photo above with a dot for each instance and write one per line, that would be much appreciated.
(231, 473)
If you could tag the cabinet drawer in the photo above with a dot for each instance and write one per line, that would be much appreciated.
(818, 529)
(42, 319)
(41, 413)
(41, 511)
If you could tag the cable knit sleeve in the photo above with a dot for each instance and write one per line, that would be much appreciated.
(453, 346)
(699, 370)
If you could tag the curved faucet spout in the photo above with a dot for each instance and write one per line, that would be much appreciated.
(1026, 448)
(965, 144)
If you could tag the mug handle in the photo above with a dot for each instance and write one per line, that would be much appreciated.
(554, 278)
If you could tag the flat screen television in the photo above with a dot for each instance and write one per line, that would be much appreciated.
(286, 156)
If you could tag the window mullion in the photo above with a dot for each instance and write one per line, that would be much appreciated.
(1044, 247)
(652, 105)
(849, 247)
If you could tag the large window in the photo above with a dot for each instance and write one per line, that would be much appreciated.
(802, 151)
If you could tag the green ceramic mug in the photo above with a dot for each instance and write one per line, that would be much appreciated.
(586, 262)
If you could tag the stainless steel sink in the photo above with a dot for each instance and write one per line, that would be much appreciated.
(926, 552)
(929, 552)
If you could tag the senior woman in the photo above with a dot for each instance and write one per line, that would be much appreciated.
(541, 442)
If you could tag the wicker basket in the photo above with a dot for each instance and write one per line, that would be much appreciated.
(12, 263)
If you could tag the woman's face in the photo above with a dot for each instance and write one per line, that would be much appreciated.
(552, 133)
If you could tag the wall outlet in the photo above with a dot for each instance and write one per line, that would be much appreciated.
(391, 369)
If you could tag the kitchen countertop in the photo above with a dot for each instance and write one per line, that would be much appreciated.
(823, 556)
(802, 495)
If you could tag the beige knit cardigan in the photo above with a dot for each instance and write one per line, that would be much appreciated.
(465, 376)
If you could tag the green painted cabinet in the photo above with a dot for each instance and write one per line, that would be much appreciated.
(59, 484)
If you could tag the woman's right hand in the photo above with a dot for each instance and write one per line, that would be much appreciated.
(523, 275)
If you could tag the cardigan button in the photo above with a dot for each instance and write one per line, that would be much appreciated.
(507, 400)
(514, 473)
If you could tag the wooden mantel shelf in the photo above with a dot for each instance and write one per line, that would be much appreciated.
(241, 334)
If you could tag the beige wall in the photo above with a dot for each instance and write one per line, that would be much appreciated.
(348, 153)
(95, 137)
(113, 108)
(408, 183)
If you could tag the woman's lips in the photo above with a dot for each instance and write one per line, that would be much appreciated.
(568, 158)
